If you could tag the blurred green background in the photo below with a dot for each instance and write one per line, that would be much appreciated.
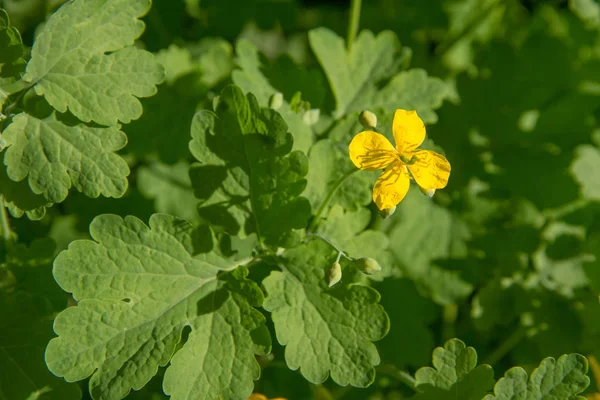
(506, 258)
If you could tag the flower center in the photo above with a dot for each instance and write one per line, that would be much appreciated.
(408, 160)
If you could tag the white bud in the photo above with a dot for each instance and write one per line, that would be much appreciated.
(310, 117)
(368, 120)
(333, 274)
(276, 101)
(367, 265)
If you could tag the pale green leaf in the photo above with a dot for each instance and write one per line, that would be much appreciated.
(171, 189)
(585, 169)
(355, 76)
(409, 90)
(454, 374)
(19, 199)
(587, 10)
(325, 158)
(553, 379)
(428, 232)
(54, 157)
(325, 331)
(84, 60)
(347, 230)
(177, 62)
(137, 288)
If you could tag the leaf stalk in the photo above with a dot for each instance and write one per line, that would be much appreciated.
(4, 225)
(511, 341)
(353, 23)
(325, 203)
(399, 375)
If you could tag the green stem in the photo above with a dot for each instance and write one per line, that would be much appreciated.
(323, 206)
(4, 225)
(506, 346)
(15, 87)
(449, 318)
(340, 252)
(353, 23)
(400, 375)
(569, 208)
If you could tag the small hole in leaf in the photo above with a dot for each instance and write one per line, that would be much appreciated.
(126, 300)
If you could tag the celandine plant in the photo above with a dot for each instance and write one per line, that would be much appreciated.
(182, 219)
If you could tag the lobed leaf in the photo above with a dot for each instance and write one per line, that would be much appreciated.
(138, 287)
(454, 374)
(54, 157)
(356, 76)
(325, 331)
(248, 179)
(84, 60)
(552, 380)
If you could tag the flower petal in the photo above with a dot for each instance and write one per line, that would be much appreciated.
(431, 171)
(371, 151)
(391, 186)
(409, 130)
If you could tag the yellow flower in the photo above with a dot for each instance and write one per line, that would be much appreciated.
(258, 396)
(372, 151)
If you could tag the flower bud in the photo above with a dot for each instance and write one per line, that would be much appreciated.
(367, 265)
(427, 192)
(276, 101)
(333, 274)
(387, 212)
(311, 116)
(215, 102)
(368, 120)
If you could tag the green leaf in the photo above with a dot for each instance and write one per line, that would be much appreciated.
(138, 287)
(325, 160)
(326, 331)
(347, 230)
(19, 199)
(454, 375)
(70, 66)
(355, 77)
(25, 328)
(248, 179)
(584, 169)
(251, 78)
(54, 157)
(553, 379)
(587, 10)
(12, 63)
(429, 232)
(171, 189)
(12, 53)
(28, 300)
